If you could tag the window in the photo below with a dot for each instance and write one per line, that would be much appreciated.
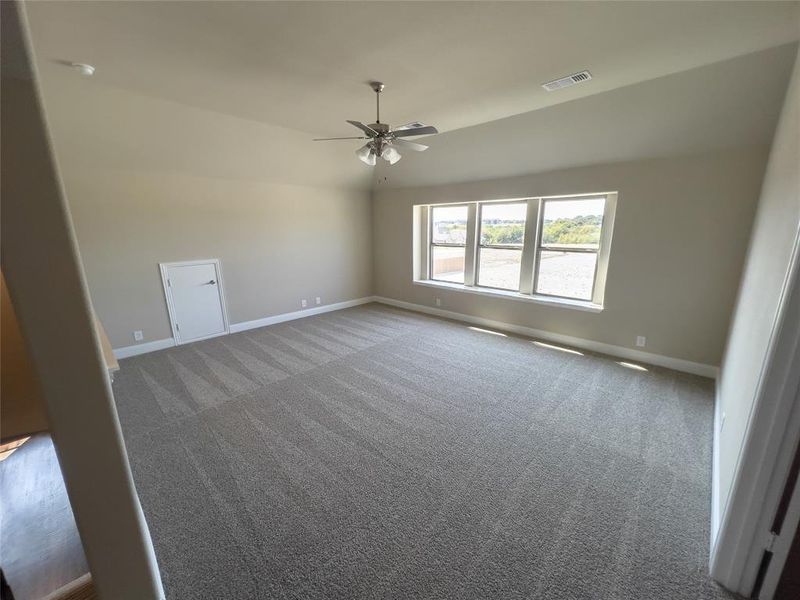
(551, 250)
(502, 232)
(448, 243)
(566, 253)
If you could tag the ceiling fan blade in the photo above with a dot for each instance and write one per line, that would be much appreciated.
(409, 145)
(365, 128)
(427, 130)
(361, 137)
(412, 125)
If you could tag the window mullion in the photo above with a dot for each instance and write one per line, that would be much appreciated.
(471, 249)
(529, 245)
(422, 255)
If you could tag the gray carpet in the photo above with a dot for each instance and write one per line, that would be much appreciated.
(379, 453)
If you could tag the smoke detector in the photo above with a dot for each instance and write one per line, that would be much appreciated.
(83, 69)
(569, 80)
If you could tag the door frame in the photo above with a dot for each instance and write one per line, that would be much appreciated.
(783, 539)
(773, 432)
(164, 268)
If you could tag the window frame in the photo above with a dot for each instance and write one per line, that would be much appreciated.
(432, 244)
(542, 247)
(479, 246)
(422, 268)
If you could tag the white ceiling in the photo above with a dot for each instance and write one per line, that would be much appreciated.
(302, 65)
(237, 89)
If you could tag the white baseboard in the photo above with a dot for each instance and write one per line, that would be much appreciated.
(715, 499)
(618, 351)
(677, 364)
(144, 348)
(299, 314)
(137, 349)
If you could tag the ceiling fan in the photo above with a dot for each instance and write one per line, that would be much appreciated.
(383, 140)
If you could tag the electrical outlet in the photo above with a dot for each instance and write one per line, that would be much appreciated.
(641, 341)
(438, 302)
(318, 300)
(138, 336)
(303, 303)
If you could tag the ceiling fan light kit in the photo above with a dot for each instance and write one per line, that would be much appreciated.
(390, 154)
(383, 140)
(366, 154)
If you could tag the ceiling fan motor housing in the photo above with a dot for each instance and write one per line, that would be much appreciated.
(381, 128)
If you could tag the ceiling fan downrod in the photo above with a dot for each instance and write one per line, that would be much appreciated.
(377, 86)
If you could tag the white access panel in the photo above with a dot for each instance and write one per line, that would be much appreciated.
(195, 299)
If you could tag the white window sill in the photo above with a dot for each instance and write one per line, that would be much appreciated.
(545, 300)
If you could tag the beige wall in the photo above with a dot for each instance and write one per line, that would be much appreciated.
(680, 236)
(775, 233)
(150, 180)
(277, 243)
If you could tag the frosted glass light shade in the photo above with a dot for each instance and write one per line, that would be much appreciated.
(366, 155)
(390, 154)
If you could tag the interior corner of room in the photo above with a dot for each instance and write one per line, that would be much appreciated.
(521, 331)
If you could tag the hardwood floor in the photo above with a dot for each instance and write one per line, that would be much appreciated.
(40, 550)
(80, 589)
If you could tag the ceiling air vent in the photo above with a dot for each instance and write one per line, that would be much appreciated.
(558, 84)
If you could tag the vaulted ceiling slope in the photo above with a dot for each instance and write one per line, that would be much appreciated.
(97, 126)
(237, 89)
(731, 104)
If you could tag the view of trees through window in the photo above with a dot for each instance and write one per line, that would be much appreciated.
(568, 247)
(502, 233)
(583, 229)
(566, 254)
(580, 229)
(508, 232)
